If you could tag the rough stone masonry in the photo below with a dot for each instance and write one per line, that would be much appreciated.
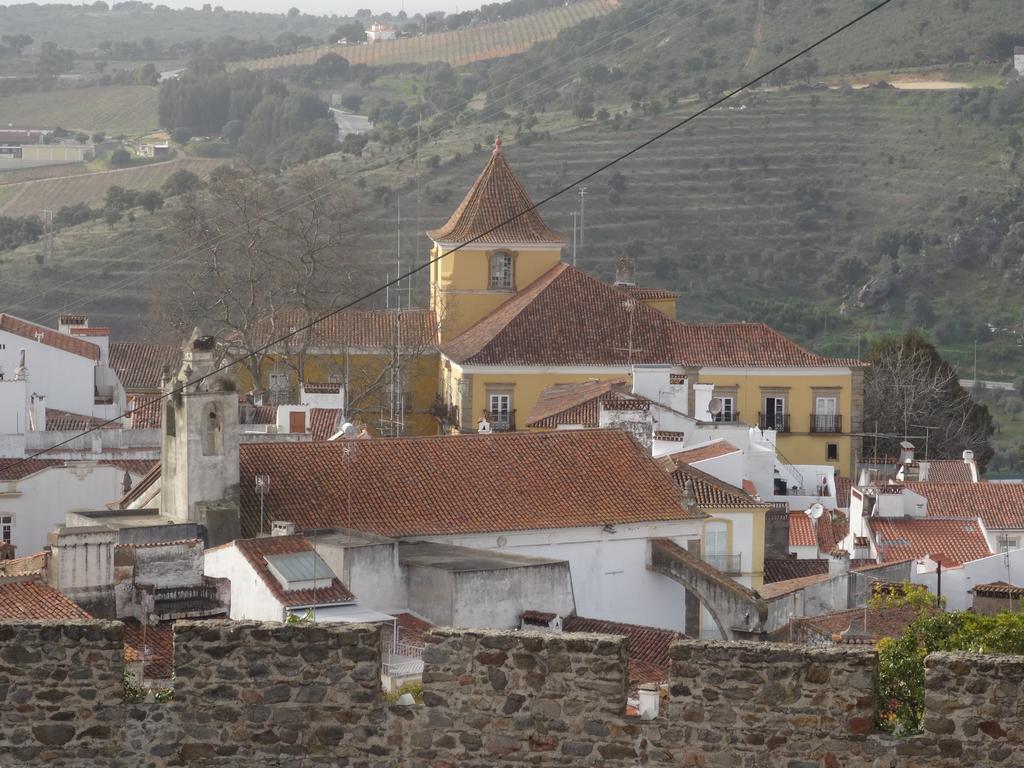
(252, 694)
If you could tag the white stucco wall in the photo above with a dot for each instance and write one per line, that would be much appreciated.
(67, 380)
(43, 500)
(497, 599)
(250, 597)
(957, 583)
(609, 570)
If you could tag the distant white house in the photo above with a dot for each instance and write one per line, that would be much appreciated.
(1018, 60)
(378, 32)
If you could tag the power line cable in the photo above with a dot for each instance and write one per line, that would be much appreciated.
(600, 169)
(315, 193)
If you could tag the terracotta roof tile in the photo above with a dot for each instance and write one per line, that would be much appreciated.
(323, 422)
(779, 588)
(843, 486)
(784, 569)
(18, 469)
(542, 325)
(960, 540)
(33, 600)
(999, 505)
(648, 294)
(884, 622)
(710, 492)
(62, 421)
(159, 641)
(948, 471)
(801, 531)
(256, 551)
(999, 589)
(704, 452)
(466, 484)
(21, 566)
(368, 329)
(145, 410)
(830, 530)
(49, 337)
(140, 365)
(411, 628)
(495, 197)
(648, 646)
(571, 404)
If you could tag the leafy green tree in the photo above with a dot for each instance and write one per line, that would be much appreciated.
(179, 183)
(112, 216)
(353, 32)
(99, 137)
(151, 201)
(120, 157)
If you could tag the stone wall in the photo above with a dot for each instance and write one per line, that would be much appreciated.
(252, 694)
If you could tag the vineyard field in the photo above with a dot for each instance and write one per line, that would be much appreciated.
(461, 46)
(129, 109)
(30, 197)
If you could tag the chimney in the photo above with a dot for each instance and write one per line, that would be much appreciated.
(625, 269)
(776, 533)
(37, 413)
(66, 322)
(971, 464)
(839, 563)
(282, 528)
(906, 453)
(702, 394)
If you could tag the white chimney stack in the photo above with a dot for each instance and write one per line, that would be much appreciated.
(702, 394)
(282, 528)
(971, 464)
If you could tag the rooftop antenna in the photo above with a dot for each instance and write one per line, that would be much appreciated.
(583, 194)
(398, 288)
(262, 488)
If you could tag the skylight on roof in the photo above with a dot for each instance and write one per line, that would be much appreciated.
(300, 570)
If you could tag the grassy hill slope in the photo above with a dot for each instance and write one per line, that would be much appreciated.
(129, 109)
(458, 47)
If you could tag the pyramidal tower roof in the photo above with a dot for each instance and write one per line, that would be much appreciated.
(495, 197)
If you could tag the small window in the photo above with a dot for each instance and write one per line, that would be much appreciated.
(169, 426)
(501, 272)
(213, 440)
(6, 527)
(832, 452)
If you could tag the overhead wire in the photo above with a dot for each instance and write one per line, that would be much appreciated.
(558, 193)
(317, 193)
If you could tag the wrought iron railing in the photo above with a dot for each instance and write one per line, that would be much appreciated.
(777, 421)
(826, 424)
(728, 418)
(502, 421)
(724, 563)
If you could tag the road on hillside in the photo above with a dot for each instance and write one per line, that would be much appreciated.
(1007, 385)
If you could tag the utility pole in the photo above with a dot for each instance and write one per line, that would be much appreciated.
(583, 194)
(574, 214)
(47, 235)
(975, 361)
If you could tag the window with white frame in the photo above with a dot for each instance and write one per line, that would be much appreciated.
(501, 272)
(6, 528)
(728, 412)
(1009, 543)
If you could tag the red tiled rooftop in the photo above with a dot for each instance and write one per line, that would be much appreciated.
(33, 600)
(884, 622)
(256, 552)
(140, 365)
(22, 566)
(801, 531)
(422, 486)
(63, 421)
(999, 505)
(485, 212)
(542, 325)
(948, 471)
(411, 628)
(704, 452)
(352, 329)
(648, 294)
(709, 491)
(960, 540)
(323, 422)
(18, 469)
(159, 640)
(571, 404)
(49, 337)
(648, 646)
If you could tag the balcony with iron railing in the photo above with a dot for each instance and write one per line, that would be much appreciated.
(776, 421)
(727, 418)
(826, 424)
(730, 564)
(502, 421)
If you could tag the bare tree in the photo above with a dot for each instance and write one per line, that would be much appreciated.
(267, 255)
(909, 390)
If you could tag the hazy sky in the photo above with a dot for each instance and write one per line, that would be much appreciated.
(345, 8)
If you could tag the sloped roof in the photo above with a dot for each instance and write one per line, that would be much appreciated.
(704, 452)
(145, 410)
(843, 486)
(256, 551)
(49, 337)
(159, 640)
(883, 622)
(323, 422)
(902, 538)
(830, 531)
(648, 646)
(368, 329)
(34, 600)
(784, 569)
(495, 197)
(1000, 505)
(801, 531)
(418, 486)
(648, 294)
(948, 471)
(63, 421)
(571, 404)
(710, 492)
(19, 469)
(140, 365)
(22, 566)
(543, 325)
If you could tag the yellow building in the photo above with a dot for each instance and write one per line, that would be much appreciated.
(514, 319)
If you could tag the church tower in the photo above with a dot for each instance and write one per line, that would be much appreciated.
(199, 455)
(467, 285)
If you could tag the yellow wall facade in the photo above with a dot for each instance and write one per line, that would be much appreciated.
(460, 290)
(366, 373)
(799, 445)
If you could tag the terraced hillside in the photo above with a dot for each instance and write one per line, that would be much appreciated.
(30, 197)
(128, 109)
(461, 46)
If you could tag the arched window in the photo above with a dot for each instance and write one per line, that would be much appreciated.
(501, 272)
(213, 443)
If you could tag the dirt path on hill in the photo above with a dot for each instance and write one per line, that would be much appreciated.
(758, 34)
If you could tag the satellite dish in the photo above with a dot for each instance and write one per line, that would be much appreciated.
(715, 406)
(348, 429)
(815, 511)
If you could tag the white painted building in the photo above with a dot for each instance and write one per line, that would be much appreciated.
(1018, 60)
(378, 32)
(37, 495)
